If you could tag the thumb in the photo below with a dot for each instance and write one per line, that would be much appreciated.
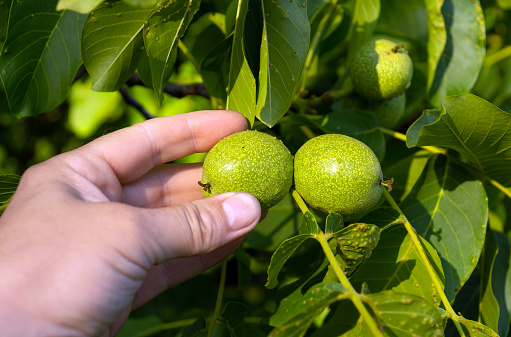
(201, 226)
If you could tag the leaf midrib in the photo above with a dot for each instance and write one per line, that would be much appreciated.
(134, 36)
(45, 50)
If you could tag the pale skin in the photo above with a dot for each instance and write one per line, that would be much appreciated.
(94, 233)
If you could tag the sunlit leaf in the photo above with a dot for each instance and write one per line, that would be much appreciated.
(40, 56)
(112, 44)
(284, 46)
(396, 265)
(165, 25)
(456, 47)
(241, 94)
(437, 36)
(449, 208)
(365, 18)
(80, 6)
(472, 126)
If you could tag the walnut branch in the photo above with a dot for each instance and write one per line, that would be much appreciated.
(175, 90)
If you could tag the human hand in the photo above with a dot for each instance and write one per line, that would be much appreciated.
(96, 232)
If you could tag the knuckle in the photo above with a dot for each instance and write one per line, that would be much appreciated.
(203, 230)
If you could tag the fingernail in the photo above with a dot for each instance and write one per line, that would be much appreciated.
(242, 210)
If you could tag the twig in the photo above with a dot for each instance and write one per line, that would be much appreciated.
(80, 74)
(134, 103)
(176, 90)
(182, 90)
(429, 267)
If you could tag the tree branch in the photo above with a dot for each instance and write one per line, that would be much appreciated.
(134, 103)
(175, 90)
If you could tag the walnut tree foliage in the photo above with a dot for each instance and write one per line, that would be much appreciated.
(431, 259)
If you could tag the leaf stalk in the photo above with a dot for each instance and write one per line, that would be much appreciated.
(429, 267)
(220, 296)
(352, 293)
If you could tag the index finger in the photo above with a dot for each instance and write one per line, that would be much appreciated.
(133, 151)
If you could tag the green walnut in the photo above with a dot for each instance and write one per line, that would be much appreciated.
(387, 112)
(249, 161)
(381, 70)
(337, 173)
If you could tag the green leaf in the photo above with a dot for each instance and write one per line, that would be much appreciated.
(162, 30)
(241, 95)
(215, 68)
(407, 315)
(137, 326)
(309, 225)
(449, 208)
(405, 20)
(284, 47)
(479, 329)
(382, 217)
(40, 56)
(88, 109)
(8, 185)
(195, 327)
(365, 18)
(141, 3)
(312, 303)
(243, 264)
(234, 315)
(489, 307)
(281, 255)
(476, 300)
(356, 244)
(472, 126)
(396, 265)
(504, 4)
(501, 282)
(80, 6)
(112, 44)
(281, 222)
(437, 37)
(334, 223)
(456, 48)
(204, 34)
(406, 171)
(358, 124)
(289, 296)
(5, 8)
(343, 318)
